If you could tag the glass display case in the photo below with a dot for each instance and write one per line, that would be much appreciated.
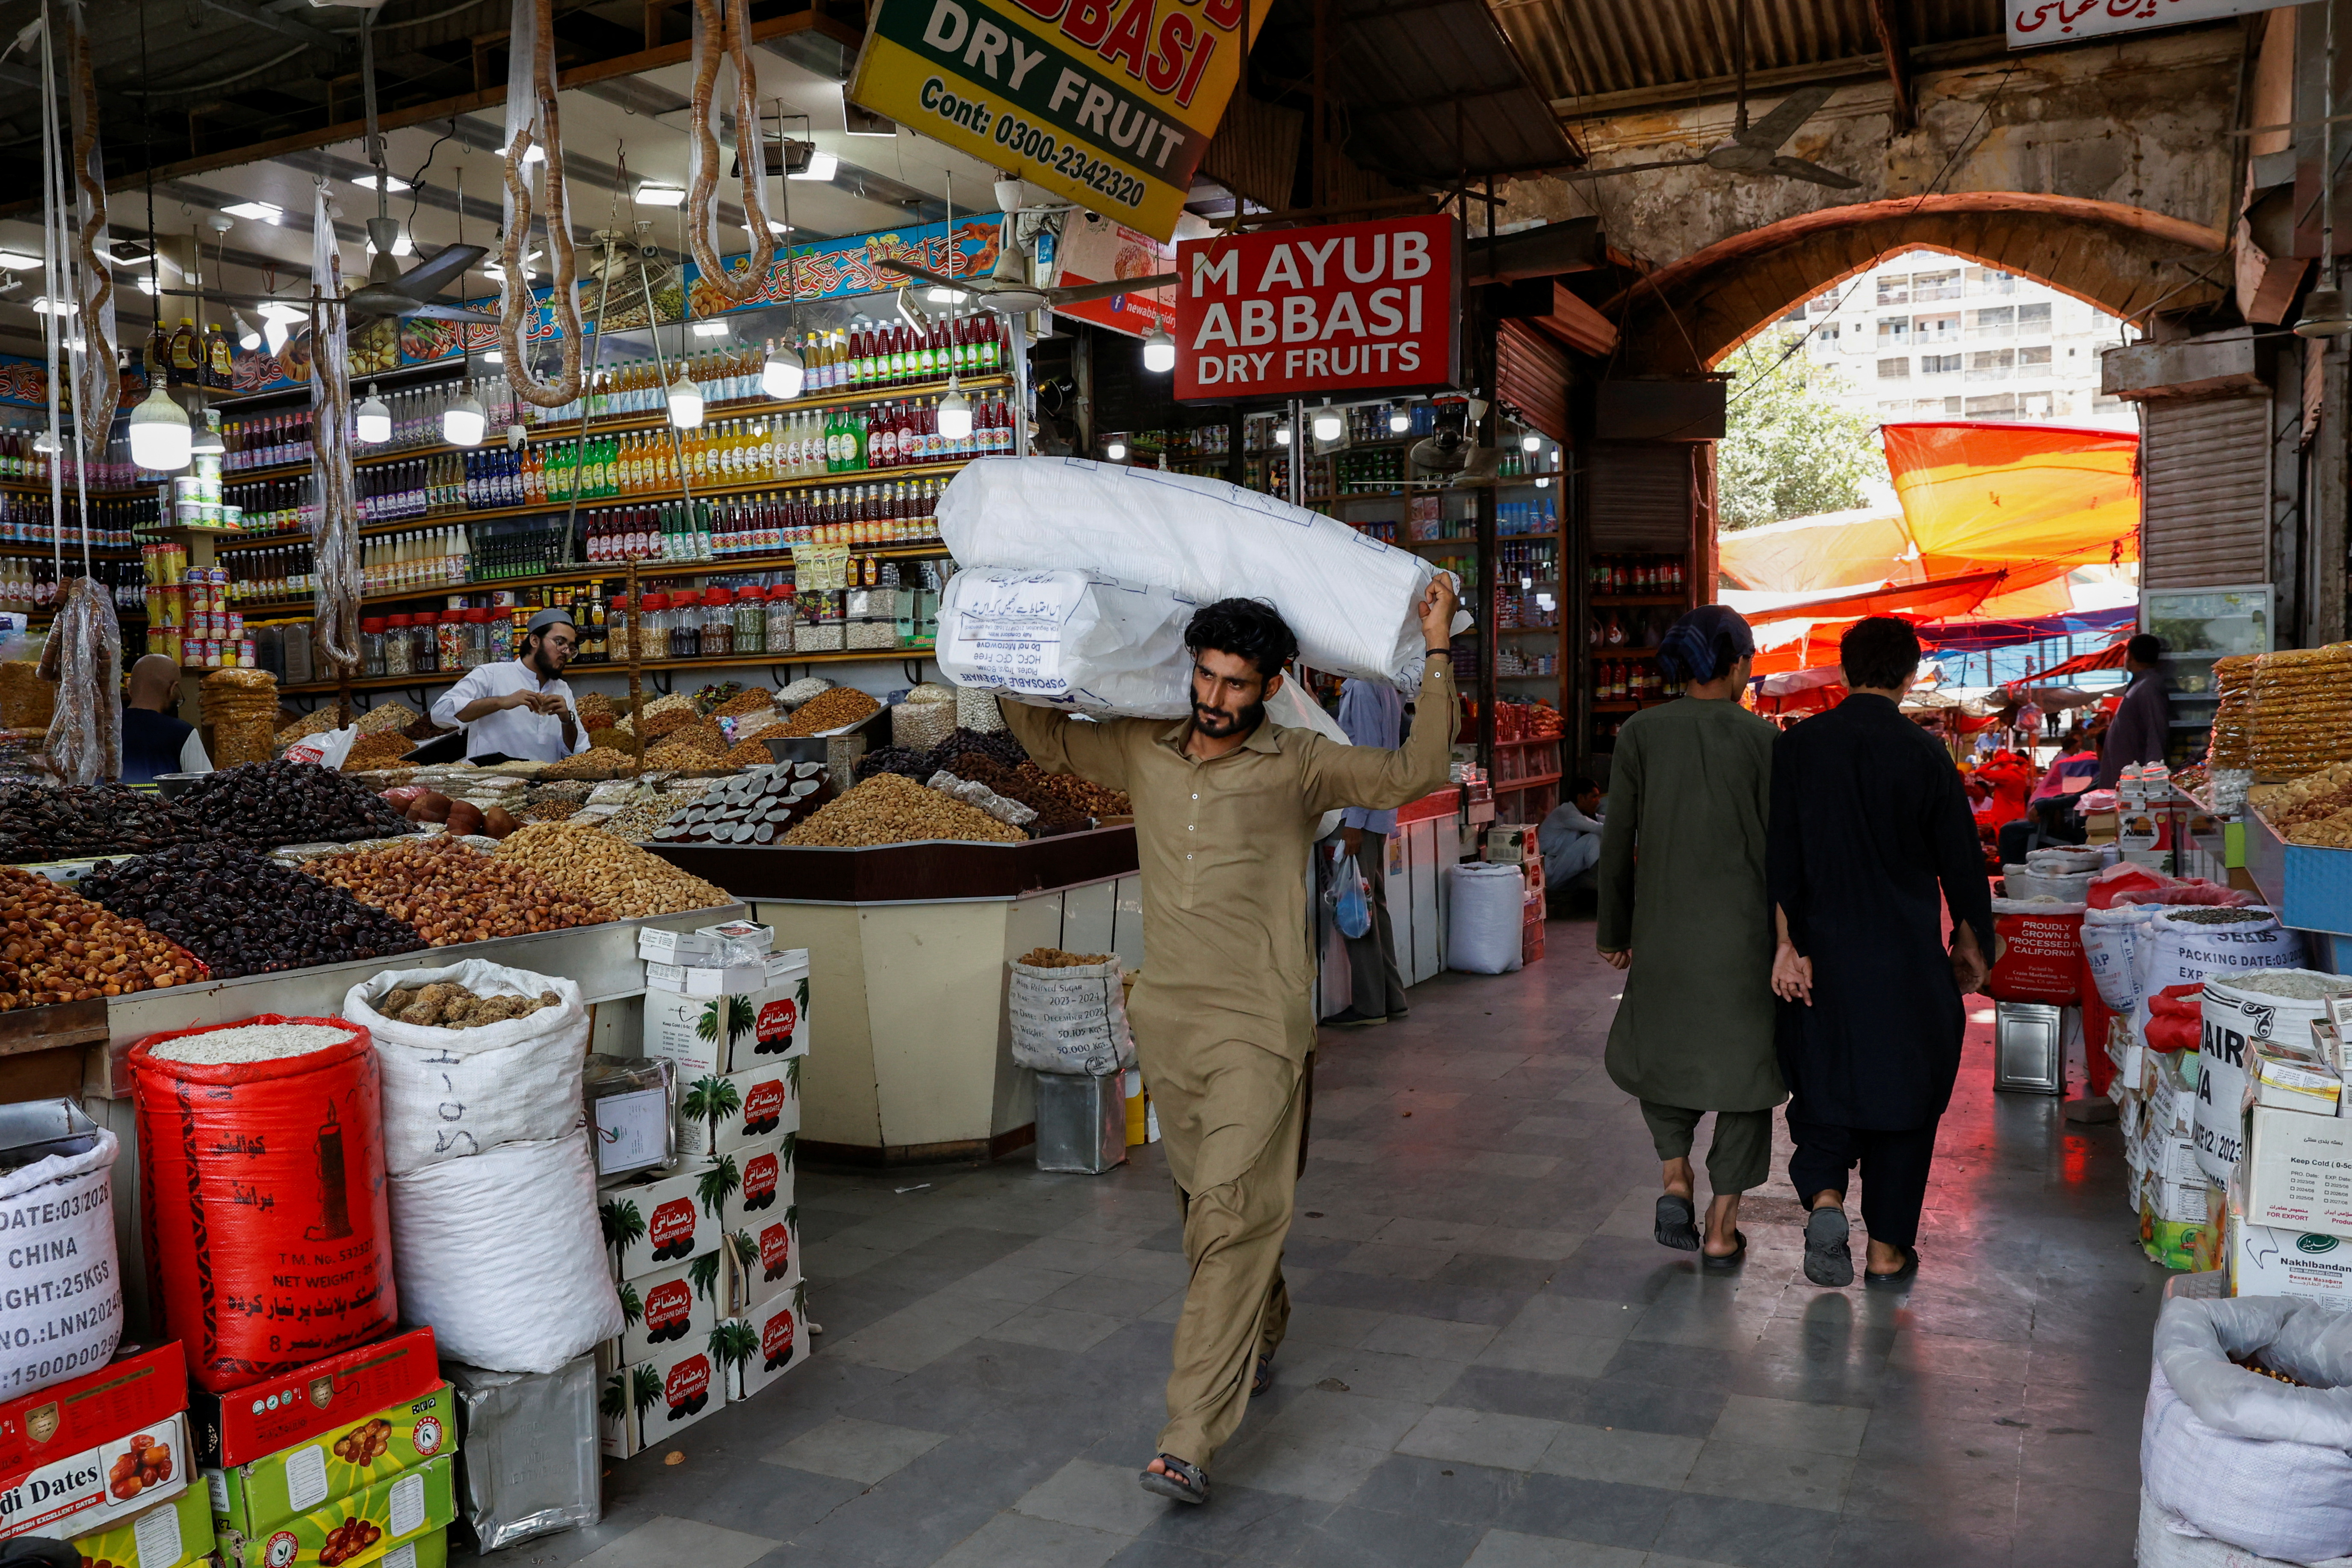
(2197, 625)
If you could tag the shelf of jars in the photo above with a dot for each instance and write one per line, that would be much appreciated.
(651, 573)
(788, 659)
(285, 449)
(856, 486)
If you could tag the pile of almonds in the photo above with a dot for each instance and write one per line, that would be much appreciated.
(375, 749)
(451, 893)
(57, 946)
(595, 763)
(890, 808)
(592, 865)
(830, 710)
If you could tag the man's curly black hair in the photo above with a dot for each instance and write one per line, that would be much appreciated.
(1246, 628)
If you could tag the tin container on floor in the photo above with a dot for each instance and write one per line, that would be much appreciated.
(1081, 1123)
(2029, 1052)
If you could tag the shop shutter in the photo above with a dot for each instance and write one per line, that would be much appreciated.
(1641, 495)
(2205, 512)
(1531, 372)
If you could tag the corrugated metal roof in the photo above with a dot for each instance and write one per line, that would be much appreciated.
(1428, 89)
(1582, 47)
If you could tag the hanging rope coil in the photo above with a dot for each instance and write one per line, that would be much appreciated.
(532, 120)
(715, 41)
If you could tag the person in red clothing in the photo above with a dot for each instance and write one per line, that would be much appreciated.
(2011, 781)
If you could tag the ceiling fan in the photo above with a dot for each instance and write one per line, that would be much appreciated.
(1007, 289)
(1755, 149)
(388, 290)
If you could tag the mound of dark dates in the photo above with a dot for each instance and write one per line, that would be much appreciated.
(244, 914)
(290, 803)
(39, 822)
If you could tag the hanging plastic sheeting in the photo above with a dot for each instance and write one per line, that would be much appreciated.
(702, 215)
(1809, 555)
(84, 656)
(1984, 494)
(533, 123)
(98, 384)
(330, 462)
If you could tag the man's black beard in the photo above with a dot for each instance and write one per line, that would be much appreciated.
(537, 660)
(1209, 721)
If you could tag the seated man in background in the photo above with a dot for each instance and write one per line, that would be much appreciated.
(155, 739)
(1570, 837)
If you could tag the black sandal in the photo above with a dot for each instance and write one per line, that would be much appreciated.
(1828, 1261)
(1180, 1483)
(1677, 1223)
(1263, 1378)
(1731, 1260)
(1903, 1276)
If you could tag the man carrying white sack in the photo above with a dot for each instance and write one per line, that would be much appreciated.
(1226, 805)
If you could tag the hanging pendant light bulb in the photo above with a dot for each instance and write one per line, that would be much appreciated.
(372, 421)
(1282, 434)
(159, 433)
(2323, 315)
(1531, 442)
(1159, 352)
(1399, 419)
(206, 440)
(1328, 424)
(781, 374)
(463, 422)
(954, 413)
(685, 402)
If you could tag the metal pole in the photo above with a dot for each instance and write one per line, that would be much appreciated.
(1298, 455)
(637, 665)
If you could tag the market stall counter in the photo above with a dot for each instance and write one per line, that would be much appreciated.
(908, 945)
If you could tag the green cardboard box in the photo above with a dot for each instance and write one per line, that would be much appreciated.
(169, 1535)
(356, 1530)
(430, 1550)
(250, 1498)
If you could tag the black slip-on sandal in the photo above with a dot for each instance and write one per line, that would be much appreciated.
(1677, 1223)
(1263, 1379)
(1903, 1276)
(1181, 1483)
(1731, 1260)
(1828, 1259)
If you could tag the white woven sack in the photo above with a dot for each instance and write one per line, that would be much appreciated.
(2167, 1540)
(2062, 862)
(61, 1302)
(2177, 952)
(1351, 600)
(453, 1092)
(2032, 881)
(2252, 1463)
(1070, 1020)
(2230, 1018)
(2110, 937)
(1075, 640)
(1483, 925)
(502, 1254)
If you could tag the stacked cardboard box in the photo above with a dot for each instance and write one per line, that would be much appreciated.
(346, 1462)
(104, 1460)
(704, 1252)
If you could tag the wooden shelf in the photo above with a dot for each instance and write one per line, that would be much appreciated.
(1640, 598)
(1546, 740)
(602, 503)
(1527, 631)
(610, 572)
(547, 432)
(1514, 786)
(652, 666)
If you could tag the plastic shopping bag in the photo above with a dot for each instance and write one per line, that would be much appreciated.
(1351, 896)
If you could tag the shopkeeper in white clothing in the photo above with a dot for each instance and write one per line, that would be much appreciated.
(520, 710)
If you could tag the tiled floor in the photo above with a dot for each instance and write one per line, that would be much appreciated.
(1490, 1363)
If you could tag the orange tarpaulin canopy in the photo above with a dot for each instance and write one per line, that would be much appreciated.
(1979, 494)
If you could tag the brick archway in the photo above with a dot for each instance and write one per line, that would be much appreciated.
(1684, 318)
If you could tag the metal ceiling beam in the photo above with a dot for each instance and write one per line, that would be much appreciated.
(1889, 27)
(579, 75)
(316, 37)
(1722, 89)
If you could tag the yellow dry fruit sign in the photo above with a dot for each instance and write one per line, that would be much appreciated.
(1110, 103)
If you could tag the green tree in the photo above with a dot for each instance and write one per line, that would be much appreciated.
(704, 1273)
(711, 1100)
(717, 1185)
(1789, 448)
(733, 1342)
(633, 1311)
(622, 1223)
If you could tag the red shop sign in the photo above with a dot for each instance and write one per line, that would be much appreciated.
(1292, 312)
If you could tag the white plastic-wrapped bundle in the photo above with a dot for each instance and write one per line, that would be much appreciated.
(1068, 639)
(1351, 600)
(1488, 907)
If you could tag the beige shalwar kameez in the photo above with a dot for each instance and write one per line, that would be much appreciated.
(1223, 1013)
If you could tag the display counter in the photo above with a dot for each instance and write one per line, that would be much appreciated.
(908, 945)
(82, 1046)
